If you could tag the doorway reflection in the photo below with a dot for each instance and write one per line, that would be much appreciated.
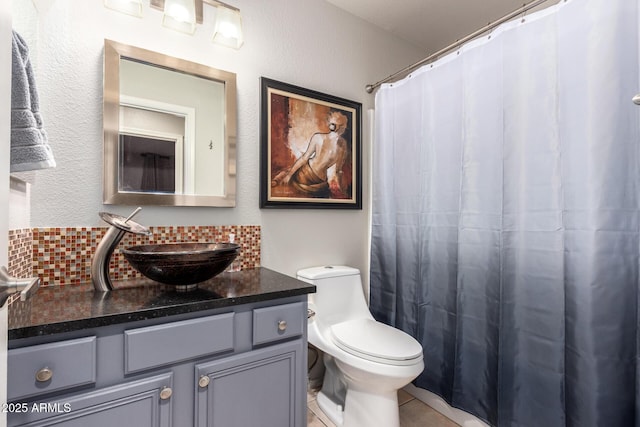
(148, 165)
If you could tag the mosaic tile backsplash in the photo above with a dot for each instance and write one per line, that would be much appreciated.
(62, 256)
(20, 255)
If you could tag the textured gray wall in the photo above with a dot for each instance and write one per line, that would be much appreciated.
(308, 43)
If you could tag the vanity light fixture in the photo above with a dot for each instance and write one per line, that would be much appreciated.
(130, 7)
(183, 15)
(227, 30)
(180, 15)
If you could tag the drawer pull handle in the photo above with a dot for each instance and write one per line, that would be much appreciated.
(203, 382)
(165, 393)
(44, 375)
(282, 325)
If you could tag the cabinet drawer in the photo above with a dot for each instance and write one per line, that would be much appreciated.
(178, 341)
(51, 367)
(277, 323)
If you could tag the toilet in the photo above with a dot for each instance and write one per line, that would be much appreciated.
(366, 362)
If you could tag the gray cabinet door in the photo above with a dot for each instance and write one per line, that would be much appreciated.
(136, 403)
(261, 388)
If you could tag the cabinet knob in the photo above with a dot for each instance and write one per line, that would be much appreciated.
(165, 393)
(44, 375)
(282, 325)
(203, 382)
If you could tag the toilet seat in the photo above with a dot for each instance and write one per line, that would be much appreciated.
(377, 342)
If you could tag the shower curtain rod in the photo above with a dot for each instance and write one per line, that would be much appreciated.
(523, 9)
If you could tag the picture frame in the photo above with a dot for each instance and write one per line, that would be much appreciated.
(310, 149)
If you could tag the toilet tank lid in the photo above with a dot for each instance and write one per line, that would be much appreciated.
(326, 271)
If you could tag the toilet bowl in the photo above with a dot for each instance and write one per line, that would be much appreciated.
(366, 361)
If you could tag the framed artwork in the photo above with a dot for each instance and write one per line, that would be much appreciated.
(310, 153)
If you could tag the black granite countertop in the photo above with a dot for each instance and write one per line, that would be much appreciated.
(59, 309)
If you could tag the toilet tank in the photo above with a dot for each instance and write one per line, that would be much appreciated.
(339, 295)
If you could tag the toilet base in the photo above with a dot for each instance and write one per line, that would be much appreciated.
(333, 410)
(362, 409)
(366, 409)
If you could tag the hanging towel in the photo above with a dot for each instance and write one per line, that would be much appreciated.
(29, 147)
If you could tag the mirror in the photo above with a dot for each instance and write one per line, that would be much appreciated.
(169, 130)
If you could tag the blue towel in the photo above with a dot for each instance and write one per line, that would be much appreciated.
(29, 147)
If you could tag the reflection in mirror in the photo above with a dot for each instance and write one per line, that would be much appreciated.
(169, 130)
(148, 165)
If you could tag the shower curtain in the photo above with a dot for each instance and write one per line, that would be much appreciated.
(505, 228)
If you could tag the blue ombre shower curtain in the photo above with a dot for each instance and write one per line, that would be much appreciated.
(505, 229)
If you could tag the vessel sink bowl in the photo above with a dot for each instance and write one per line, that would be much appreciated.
(181, 264)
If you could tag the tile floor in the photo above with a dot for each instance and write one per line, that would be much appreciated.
(413, 413)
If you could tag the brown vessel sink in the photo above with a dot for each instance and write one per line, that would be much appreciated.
(181, 264)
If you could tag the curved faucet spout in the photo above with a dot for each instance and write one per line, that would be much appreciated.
(100, 263)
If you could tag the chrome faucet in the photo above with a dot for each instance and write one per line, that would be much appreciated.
(119, 227)
(10, 285)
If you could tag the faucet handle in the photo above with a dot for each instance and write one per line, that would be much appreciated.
(124, 224)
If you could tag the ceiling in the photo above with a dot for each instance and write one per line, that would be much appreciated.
(430, 24)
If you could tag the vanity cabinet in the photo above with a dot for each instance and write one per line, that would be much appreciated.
(243, 365)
